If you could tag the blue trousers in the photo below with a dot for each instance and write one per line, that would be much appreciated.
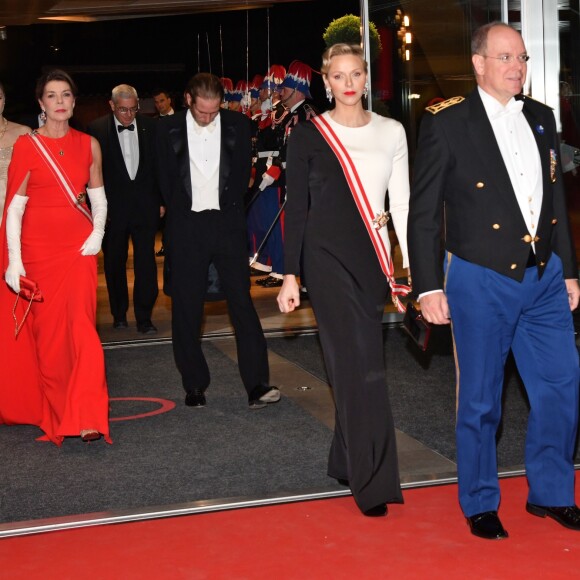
(267, 206)
(491, 314)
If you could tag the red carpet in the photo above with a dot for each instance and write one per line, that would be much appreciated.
(425, 538)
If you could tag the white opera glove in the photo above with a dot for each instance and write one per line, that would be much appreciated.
(266, 181)
(14, 215)
(92, 244)
(269, 176)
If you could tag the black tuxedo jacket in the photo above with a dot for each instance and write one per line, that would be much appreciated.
(174, 170)
(461, 186)
(130, 202)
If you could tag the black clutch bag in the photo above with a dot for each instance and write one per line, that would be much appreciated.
(417, 328)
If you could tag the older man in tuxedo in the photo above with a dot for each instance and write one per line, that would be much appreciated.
(205, 161)
(487, 173)
(128, 144)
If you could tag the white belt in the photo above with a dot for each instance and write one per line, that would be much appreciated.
(262, 154)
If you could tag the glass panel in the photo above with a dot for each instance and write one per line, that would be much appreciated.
(569, 28)
(426, 55)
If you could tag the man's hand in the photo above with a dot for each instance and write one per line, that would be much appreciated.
(573, 289)
(435, 309)
(289, 295)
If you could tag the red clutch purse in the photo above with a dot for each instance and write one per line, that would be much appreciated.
(30, 291)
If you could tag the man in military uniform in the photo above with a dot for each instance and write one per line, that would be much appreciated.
(272, 144)
(265, 146)
(489, 165)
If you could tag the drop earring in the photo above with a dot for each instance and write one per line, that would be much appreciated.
(329, 94)
(43, 115)
(366, 91)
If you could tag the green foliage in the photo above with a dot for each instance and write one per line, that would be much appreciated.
(347, 29)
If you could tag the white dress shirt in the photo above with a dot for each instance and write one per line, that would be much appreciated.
(204, 161)
(129, 142)
(520, 154)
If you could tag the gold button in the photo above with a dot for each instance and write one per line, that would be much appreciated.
(480, 185)
(513, 266)
(496, 226)
(527, 238)
(542, 264)
(536, 239)
(554, 221)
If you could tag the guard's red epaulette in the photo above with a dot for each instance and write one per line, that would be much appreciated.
(438, 107)
(265, 123)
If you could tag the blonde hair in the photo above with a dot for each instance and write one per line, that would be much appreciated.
(341, 49)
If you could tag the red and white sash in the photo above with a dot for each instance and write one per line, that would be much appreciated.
(60, 176)
(364, 207)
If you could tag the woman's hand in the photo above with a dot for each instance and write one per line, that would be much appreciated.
(289, 295)
(13, 272)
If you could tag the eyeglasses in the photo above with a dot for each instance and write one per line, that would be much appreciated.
(509, 58)
(125, 110)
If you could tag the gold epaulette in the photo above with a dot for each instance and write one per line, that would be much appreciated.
(438, 107)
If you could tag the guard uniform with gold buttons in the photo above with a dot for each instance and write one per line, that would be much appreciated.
(503, 275)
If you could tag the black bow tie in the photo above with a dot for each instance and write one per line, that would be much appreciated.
(130, 127)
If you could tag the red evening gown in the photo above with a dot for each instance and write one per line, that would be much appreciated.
(53, 374)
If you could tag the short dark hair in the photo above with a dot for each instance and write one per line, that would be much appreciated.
(54, 75)
(156, 92)
(206, 86)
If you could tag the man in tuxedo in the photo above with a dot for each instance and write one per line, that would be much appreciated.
(487, 174)
(134, 206)
(205, 160)
(163, 103)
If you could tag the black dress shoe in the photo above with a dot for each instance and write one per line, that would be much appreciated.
(568, 516)
(119, 324)
(146, 328)
(272, 282)
(487, 525)
(377, 511)
(195, 398)
(263, 395)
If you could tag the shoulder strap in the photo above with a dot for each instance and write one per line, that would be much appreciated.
(371, 221)
(60, 176)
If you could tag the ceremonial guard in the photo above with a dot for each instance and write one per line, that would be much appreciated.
(258, 219)
(272, 142)
(228, 86)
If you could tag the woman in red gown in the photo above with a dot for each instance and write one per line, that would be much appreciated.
(53, 374)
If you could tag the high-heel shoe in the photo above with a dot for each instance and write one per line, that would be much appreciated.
(90, 435)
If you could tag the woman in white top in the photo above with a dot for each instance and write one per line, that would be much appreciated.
(346, 284)
(9, 132)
